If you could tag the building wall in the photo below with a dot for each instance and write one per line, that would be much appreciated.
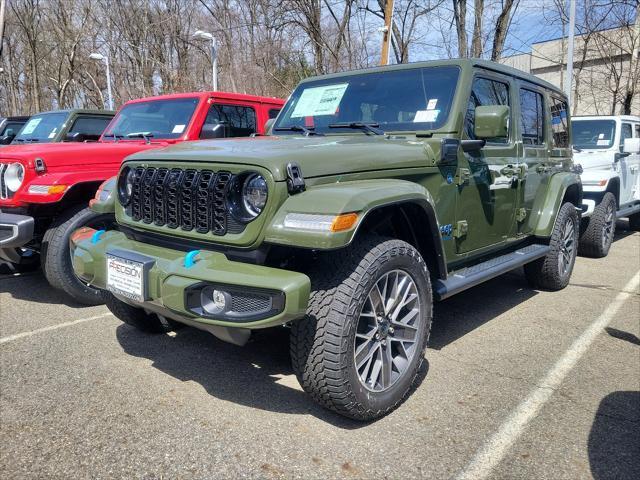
(603, 70)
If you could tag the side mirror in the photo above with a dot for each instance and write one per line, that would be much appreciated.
(81, 137)
(631, 146)
(268, 126)
(492, 121)
(214, 130)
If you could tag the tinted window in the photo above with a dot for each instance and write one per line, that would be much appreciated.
(273, 113)
(531, 117)
(637, 130)
(626, 132)
(41, 128)
(559, 123)
(240, 120)
(15, 126)
(154, 118)
(398, 100)
(485, 92)
(90, 125)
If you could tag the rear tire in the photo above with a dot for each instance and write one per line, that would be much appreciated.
(597, 237)
(56, 254)
(339, 349)
(553, 271)
(137, 317)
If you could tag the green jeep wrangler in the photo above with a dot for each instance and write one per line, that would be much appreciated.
(376, 192)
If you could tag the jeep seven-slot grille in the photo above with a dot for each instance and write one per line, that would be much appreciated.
(187, 199)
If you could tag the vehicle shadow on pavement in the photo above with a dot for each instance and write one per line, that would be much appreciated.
(258, 375)
(461, 314)
(614, 439)
(33, 287)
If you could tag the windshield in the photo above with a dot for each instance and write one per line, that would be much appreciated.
(397, 100)
(588, 134)
(155, 118)
(41, 128)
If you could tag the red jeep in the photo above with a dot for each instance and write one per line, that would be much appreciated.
(45, 189)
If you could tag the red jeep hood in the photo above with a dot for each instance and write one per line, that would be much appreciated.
(56, 155)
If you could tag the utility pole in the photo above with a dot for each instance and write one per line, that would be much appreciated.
(572, 23)
(386, 32)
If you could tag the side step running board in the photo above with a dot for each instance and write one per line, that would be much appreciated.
(464, 278)
(626, 211)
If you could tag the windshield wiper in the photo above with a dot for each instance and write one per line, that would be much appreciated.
(577, 149)
(298, 128)
(146, 135)
(369, 127)
(112, 135)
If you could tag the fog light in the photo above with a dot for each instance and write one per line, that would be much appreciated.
(214, 301)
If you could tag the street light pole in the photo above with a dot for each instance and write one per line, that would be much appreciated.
(99, 57)
(202, 35)
(572, 23)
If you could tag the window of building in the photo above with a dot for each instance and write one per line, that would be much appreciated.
(531, 117)
(485, 92)
(241, 120)
(559, 123)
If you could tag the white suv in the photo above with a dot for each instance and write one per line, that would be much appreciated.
(608, 149)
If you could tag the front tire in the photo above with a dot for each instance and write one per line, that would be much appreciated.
(597, 237)
(553, 271)
(56, 255)
(361, 345)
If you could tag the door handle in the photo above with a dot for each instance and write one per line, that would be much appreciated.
(508, 171)
(542, 168)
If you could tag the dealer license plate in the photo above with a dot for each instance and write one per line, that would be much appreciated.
(126, 278)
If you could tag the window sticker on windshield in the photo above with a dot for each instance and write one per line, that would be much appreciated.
(432, 104)
(601, 136)
(601, 143)
(53, 133)
(319, 100)
(426, 116)
(31, 126)
(178, 128)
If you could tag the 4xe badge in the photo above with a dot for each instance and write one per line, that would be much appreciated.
(446, 231)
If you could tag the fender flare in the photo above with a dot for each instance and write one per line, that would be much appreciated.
(359, 196)
(545, 208)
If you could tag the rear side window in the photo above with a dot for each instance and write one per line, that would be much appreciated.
(90, 125)
(559, 123)
(241, 120)
(485, 92)
(531, 117)
(273, 112)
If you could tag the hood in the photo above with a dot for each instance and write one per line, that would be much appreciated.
(316, 155)
(595, 158)
(57, 155)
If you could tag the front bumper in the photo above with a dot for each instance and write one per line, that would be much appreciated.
(15, 230)
(169, 284)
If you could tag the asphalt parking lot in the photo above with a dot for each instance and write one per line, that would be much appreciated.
(520, 384)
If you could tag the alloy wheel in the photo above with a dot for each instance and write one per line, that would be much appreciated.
(388, 331)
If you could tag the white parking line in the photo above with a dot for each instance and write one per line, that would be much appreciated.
(11, 338)
(494, 450)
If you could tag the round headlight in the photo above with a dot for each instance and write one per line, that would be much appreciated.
(14, 176)
(254, 194)
(125, 185)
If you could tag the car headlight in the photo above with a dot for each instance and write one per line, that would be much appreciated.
(254, 194)
(125, 185)
(247, 196)
(14, 176)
